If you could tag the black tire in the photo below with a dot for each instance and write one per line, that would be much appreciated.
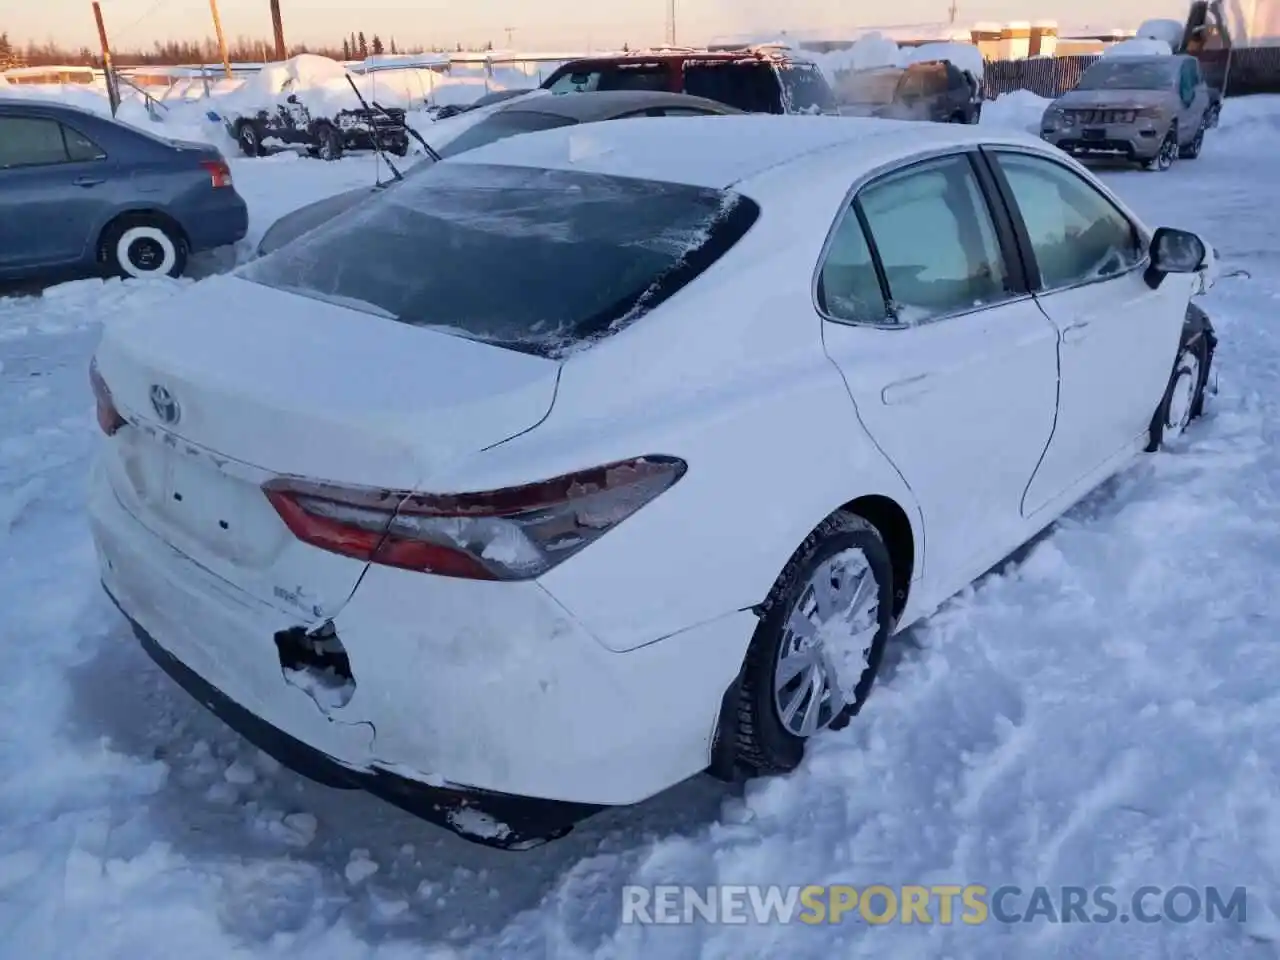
(1192, 363)
(328, 142)
(249, 137)
(1192, 149)
(142, 246)
(1213, 116)
(764, 745)
(1163, 160)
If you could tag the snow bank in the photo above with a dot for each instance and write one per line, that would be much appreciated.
(175, 120)
(1168, 31)
(1139, 47)
(1020, 110)
(868, 52)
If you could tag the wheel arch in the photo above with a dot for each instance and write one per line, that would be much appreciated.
(893, 523)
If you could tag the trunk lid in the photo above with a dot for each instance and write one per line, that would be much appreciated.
(241, 383)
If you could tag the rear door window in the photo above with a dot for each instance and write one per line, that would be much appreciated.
(79, 147)
(640, 76)
(936, 240)
(748, 85)
(541, 261)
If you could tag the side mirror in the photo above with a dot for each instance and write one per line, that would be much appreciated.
(1173, 251)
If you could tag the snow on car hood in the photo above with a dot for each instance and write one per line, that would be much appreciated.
(1112, 99)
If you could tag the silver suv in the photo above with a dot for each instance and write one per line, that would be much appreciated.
(1150, 110)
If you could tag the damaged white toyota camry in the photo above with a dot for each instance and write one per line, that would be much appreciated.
(592, 460)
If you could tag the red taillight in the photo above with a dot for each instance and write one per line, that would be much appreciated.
(219, 172)
(516, 533)
(109, 418)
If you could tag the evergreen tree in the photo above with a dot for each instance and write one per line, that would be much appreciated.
(393, 46)
(363, 46)
(377, 45)
(346, 49)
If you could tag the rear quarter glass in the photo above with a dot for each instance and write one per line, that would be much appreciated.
(540, 261)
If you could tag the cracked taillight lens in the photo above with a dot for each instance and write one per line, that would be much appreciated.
(109, 418)
(516, 533)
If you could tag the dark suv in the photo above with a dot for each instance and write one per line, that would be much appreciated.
(751, 79)
(935, 90)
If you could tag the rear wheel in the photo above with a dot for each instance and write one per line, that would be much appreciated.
(144, 246)
(817, 648)
(328, 142)
(249, 138)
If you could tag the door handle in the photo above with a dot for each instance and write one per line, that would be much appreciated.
(87, 181)
(1076, 332)
(903, 391)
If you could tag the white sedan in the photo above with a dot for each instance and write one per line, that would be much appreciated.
(594, 459)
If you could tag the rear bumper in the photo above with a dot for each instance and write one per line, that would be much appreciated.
(217, 222)
(489, 690)
(524, 821)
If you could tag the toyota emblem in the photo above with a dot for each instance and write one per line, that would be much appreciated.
(165, 406)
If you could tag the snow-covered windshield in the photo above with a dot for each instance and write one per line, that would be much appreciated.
(540, 261)
(1127, 75)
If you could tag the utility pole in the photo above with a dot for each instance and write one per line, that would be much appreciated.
(671, 23)
(222, 40)
(113, 92)
(954, 10)
(510, 32)
(277, 25)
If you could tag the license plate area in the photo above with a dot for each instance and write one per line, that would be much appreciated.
(195, 503)
(1094, 134)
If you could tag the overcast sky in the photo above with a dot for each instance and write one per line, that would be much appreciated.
(544, 24)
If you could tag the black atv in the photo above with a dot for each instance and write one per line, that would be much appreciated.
(324, 137)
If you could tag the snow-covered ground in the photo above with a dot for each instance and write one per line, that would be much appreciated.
(1102, 712)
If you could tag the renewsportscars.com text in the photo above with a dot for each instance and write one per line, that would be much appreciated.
(968, 904)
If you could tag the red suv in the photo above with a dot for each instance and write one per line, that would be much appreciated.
(755, 79)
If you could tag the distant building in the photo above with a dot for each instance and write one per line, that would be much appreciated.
(51, 74)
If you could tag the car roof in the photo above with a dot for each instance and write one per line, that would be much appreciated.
(765, 53)
(46, 105)
(718, 152)
(605, 104)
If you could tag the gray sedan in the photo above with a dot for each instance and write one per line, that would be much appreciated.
(1151, 110)
(521, 115)
(81, 193)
